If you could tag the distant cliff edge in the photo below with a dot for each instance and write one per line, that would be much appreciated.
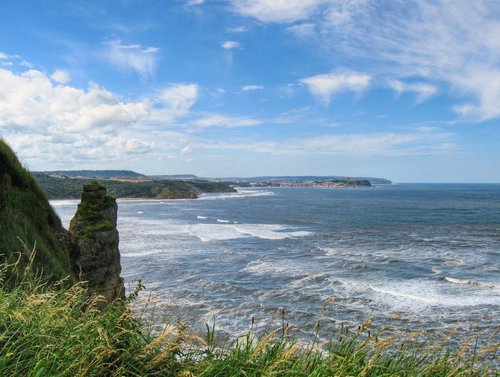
(88, 252)
(59, 186)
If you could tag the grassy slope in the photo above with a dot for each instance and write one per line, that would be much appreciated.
(70, 188)
(53, 329)
(58, 331)
(27, 217)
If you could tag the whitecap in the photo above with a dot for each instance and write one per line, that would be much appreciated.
(213, 232)
(201, 217)
(471, 282)
(264, 267)
(241, 193)
(226, 231)
(421, 294)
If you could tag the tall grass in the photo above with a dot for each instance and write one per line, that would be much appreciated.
(55, 329)
(26, 214)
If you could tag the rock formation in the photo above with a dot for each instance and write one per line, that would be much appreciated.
(94, 254)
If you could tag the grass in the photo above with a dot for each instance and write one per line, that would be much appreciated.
(25, 214)
(55, 329)
(89, 216)
(49, 326)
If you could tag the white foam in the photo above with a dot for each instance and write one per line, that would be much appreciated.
(299, 283)
(264, 267)
(213, 232)
(201, 217)
(144, 252)
(460, 281)
(226, 231)
(241, 193)
(140, 212)
(223, 221)
(405, 295)
(420, 294)
(471, 282)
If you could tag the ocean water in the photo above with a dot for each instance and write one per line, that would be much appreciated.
(406, 256)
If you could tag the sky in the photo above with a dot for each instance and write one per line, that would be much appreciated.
(408, 91)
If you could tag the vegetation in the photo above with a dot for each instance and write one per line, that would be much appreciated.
(26, 216)
(90, 218)
(97, 174)
(49, 326)
(71, 188)
(57, 330)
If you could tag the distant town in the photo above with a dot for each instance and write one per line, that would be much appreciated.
(341, 183)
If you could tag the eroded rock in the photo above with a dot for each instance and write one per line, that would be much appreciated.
(94, 254)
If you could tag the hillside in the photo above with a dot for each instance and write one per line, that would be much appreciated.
(70, 188)
(27, 219)
(306, 178)
(96, 174)
(54, 329)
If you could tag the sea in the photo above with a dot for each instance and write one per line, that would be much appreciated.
(404, 256)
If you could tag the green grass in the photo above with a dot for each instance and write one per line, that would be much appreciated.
(71, 188)
(52, 329)
(25, 214)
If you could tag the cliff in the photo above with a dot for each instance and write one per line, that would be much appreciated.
(94, 254)
(59, 187)
(28, 220)
(87, 252)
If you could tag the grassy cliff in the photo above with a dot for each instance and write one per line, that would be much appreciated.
(53, 329)
(70, 188)
(28, 220)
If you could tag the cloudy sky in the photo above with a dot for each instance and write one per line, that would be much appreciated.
(408, 91)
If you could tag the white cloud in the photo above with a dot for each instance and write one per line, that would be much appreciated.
(302, 30)
(357, 145)
(180, 97)
(173, 102)
(325, 85)
(61, 77)
(277, 10)
(7, 60)
(249, 88)
(221, 120)
(194, 2)
(229, 45)
(454, 45)
(30, 100)
(54, 123)
(130, 146)
(186, 150)
(136, 58)
(423, 91)
(238, 29)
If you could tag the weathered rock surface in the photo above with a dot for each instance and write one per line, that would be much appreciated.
(94, 254)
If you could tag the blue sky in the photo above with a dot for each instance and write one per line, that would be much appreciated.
(408, 91)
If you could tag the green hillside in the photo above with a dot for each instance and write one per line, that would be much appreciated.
(27, 220)
(70, 188)
(53, 329)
